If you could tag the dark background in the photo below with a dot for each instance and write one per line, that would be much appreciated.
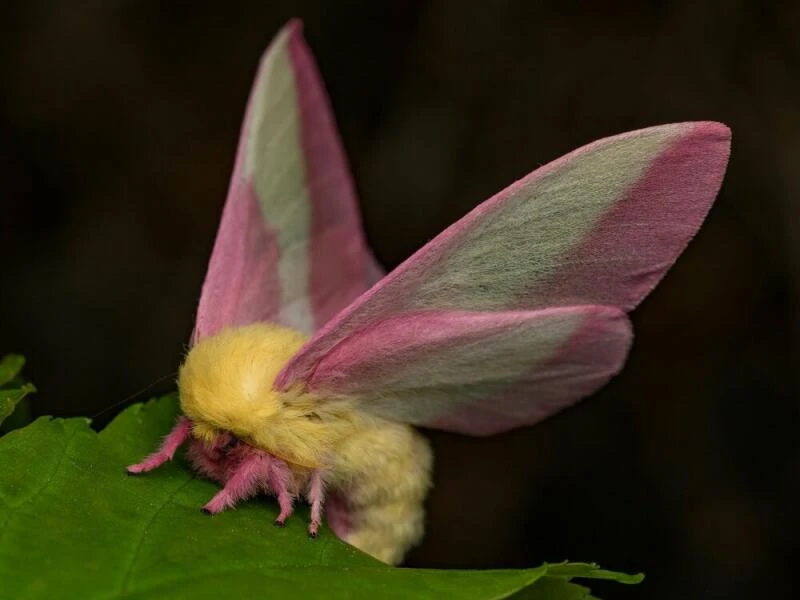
(118, 125)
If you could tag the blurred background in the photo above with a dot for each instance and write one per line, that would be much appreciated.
(118, 125)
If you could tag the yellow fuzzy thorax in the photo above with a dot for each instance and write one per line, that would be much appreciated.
(226, 384)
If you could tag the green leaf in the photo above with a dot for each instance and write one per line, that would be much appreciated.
(72, 524)
(555, 583)
(548, 588)
(12, 389)
(10, 367)
(568, 570)
(9, 398)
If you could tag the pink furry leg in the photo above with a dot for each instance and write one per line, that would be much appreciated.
(173, 441)
(280, 478)
(316, 497)
(247, 478)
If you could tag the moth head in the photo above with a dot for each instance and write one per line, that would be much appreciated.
(226, 385)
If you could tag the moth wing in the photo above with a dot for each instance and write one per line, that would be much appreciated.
(290, 247)
(599, 226)
(477, 373)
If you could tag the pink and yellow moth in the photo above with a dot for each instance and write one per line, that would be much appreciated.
(308, 369)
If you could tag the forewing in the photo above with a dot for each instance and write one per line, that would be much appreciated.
(599, 226)
(477, 373)
(290, 248)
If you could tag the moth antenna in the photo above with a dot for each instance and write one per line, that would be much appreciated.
(135, 395)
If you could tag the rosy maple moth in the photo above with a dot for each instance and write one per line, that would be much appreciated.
(308, 369)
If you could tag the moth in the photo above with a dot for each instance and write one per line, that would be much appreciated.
(308, 369)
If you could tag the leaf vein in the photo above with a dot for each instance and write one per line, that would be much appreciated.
(140, 542)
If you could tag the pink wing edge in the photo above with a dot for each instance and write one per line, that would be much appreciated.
(342, 265)
(242, 285)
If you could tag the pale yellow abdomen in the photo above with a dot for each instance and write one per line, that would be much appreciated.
(384, 472)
